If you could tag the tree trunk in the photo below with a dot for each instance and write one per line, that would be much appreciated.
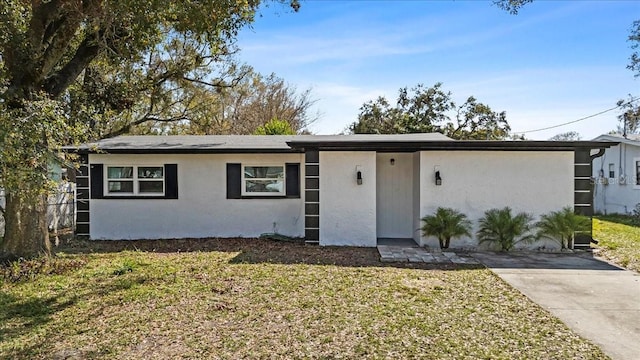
(26, 234)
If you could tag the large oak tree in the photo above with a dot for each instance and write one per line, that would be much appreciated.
(424, 109)
(70, 68)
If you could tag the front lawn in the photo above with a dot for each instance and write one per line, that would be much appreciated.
(259, 299)
(618, 239)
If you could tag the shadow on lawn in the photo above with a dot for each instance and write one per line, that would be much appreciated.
(20, 316)
(256, 251)
(29, 313)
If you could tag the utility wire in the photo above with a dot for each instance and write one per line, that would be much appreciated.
(581, 119)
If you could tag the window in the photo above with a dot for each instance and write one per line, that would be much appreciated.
(637, 172)
(135, 180)
(263, 180)
(612, 171)
(120, 179)
(150, 179)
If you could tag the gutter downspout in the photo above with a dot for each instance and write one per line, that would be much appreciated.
(597, 155)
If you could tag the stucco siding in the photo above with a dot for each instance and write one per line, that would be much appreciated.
(347, 210)
(617, 194)
(202, 209)
(476, 181)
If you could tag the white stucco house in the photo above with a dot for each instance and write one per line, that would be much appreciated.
(616, 175)
(330, 190)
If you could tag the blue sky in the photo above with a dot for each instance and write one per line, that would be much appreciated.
(556, 61)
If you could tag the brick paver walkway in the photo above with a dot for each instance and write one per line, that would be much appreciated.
(390, 253)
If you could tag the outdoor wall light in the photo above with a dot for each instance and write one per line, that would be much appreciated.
(359, 177)
(393, 161)
(438, 178)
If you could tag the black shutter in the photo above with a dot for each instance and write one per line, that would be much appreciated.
(293, 180)
(170, 181)
(234, 181)
(97, 181)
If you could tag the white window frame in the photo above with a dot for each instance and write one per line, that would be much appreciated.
(243, 183)
(136, 181)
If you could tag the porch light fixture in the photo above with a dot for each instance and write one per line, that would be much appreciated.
(393, 161)
(359, 177)
(438, 178)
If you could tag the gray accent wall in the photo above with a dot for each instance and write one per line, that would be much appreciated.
(312, 197)
(583, 193)
(82, 198)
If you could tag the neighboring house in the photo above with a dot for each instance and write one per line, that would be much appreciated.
(331, 190)
(616, 175)
(60, 207)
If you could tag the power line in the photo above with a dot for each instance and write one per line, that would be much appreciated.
(578, 120)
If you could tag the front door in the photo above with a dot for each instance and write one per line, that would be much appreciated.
(394, 200)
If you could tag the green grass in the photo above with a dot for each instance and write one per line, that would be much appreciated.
(258, 299)
(618, 240)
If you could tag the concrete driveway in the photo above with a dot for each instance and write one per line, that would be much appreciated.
(597, 300)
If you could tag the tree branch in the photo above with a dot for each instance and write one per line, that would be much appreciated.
(220, 83)
(86, 52)
(148, 117)
(42, 16)
(217, 84)
(56, 44)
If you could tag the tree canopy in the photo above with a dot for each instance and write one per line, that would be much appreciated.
(634, 39)
(566, 136)
(241, 109)
(77, 69)
(512, 6)
(275, 126)
(629, 118)
(431, 109)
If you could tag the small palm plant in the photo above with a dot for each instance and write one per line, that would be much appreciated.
(499, 226)
(561, 226)
(446, 224)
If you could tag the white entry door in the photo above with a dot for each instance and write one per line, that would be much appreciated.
(394, 200)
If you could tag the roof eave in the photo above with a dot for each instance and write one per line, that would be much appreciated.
(180, 151)
(486, 145)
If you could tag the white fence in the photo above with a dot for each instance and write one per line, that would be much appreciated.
(60, 209)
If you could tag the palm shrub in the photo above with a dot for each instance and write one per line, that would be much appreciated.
(500, 227)
(561, 226)
(446, 224)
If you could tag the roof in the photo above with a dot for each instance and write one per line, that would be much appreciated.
(388, 144)
(631, 139)
(189, 143)
(231, 143)
(299, 143)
